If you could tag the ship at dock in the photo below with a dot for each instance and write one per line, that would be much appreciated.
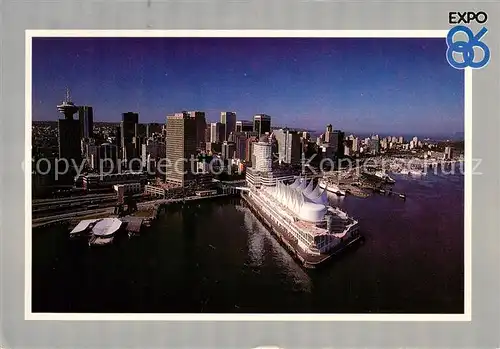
(385, 177)
(299, 215)
(331, 187)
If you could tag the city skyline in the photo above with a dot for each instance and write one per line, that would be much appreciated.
(305, 83)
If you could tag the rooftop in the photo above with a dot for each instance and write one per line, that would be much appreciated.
(311, 228)
(83, 225)
(106, 226)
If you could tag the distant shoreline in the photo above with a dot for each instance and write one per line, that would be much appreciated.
(457, 136)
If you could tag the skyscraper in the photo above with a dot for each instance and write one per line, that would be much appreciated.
(128, 130)
(244, 126)
(448, 153)
(240, 142)
(328, 133)
(180, 147)
(261, 124)
(355, 144)
(208, 133)
(228, 118)
(201, 124)
(289, 146)
(86, 116)
(69, 132)
(217, 130)
(228, 150)
(249, 149)
(337, 142)
(262, 160)
(103, 157)
(375, 144)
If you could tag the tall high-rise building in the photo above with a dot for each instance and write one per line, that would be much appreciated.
(86, 116)
(448, 153)
(355, 144)
(289, 146)
(249, 149)
(261, 124)
(337, 142)
(118, 141)
(228, 150)
(244, 126)
(375, 144)
(69, 132)
(103, 157)
(180, 148)
(128, 129)
(240, 141)
(228, 118)
(208, 133)
(201, 124)
(217, 131)
(262, 160)
(328, 133)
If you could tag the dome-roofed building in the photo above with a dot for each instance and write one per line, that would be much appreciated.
(303, 202)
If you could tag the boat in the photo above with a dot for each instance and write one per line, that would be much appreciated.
(413, 173)
(331, 187)
(402, 196)
(383, 175)
(417, 173)
(299, 216)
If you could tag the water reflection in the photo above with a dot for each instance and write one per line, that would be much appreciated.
(258, 238)
(255, 238)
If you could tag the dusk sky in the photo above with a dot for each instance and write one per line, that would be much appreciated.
(401, 86)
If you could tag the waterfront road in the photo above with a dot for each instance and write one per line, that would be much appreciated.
(95, 198)
(70, 215)
(108, 208)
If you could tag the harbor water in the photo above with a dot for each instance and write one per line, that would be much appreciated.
(216, 257)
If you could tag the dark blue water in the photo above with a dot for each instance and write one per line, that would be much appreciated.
(216, 257)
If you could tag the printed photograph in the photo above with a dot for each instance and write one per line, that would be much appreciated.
(246, 175)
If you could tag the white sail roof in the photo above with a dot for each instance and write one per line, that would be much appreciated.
(309, 208)
(295, 184)
(302, 185)
(309, 189)
(315, 192)
(322, 198)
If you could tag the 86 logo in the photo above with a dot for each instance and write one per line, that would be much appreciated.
(471, 52)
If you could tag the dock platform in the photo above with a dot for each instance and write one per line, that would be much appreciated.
(133, 225)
